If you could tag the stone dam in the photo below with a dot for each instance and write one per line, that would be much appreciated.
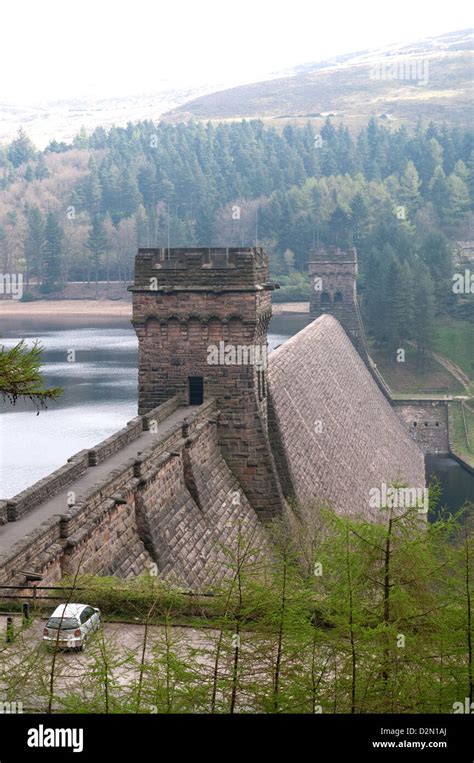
(223, 442)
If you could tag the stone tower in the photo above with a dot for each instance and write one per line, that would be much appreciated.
(201, 316)
(333, 274)
(333, 279)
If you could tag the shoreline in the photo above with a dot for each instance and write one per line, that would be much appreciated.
(105, 307)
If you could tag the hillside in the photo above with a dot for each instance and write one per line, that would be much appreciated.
(63, 119)
(431, 79)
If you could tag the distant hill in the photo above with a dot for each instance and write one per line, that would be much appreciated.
(342, 86)
(62, 119)
(431, 79)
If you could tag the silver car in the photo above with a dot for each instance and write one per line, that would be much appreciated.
(71, 625)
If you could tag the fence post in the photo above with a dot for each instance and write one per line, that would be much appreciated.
(9, 630)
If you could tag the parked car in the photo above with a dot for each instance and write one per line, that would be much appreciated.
(75, 623)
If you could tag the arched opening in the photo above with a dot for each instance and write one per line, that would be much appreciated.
(325, 298)
(337, 298)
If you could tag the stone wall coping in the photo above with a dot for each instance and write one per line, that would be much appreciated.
(22, 503)
(420, 402)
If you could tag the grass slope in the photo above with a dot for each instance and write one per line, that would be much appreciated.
(346, 88)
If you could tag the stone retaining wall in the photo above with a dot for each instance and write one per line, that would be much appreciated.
(427, 423)
(107, 533)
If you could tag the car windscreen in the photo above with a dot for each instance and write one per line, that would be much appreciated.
(67, 623)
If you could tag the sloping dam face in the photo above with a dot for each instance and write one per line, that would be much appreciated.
(338, 435)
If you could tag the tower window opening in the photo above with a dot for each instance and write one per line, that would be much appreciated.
(196, 390)
(337, 297)
(325, 298)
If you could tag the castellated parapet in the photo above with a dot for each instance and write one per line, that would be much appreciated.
(201, 317)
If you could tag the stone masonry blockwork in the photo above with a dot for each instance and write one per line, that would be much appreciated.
(339, 433)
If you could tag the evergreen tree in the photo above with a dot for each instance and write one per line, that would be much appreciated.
(53, 249)
(397, 307)
(41, 170)
(205, 227)
(436, 253)
(423, 313)
(34, 244)
(458, 199)
(97, 244)
(438, 190)
(359, 218)
(410, 188)
(21, 149)
(339, 228)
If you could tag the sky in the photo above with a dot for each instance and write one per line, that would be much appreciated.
(55, 49)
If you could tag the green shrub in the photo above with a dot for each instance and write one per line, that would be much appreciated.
(28, 297)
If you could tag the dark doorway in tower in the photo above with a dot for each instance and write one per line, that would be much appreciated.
(196, 390)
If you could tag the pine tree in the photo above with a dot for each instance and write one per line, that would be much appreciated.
(410, 188)
(205, 227)
(53, 249)
(21, 377)
(435, 251)
(458, 199)
(339, 227)
(397, 307)
(359, 218)
(439, 192)
(93, 189)
(21, 149)
(34, 244)
(41, 170)
(97, 244)
(423, 313)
